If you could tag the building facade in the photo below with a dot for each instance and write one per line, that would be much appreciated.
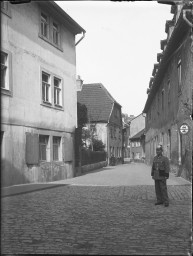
(38, 92)
(169, 102)
(137, 145)
(104, 115)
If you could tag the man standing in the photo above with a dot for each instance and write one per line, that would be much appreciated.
(160, 173)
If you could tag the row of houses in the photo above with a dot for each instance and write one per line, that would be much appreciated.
(169, 104)
(40, 91)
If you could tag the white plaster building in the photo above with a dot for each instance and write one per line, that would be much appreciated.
(38, 92)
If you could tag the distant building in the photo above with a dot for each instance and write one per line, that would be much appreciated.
(137, 137)
(104, 115)
(137, 146)
(38, 92)
(169, 102)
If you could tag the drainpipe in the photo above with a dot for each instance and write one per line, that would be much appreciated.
(80, 38)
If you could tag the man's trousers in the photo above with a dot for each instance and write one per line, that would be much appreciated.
(161, 191)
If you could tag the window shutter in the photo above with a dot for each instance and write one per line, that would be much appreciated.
(67, 146)
(32, 148)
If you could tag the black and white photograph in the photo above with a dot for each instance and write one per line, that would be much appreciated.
(96, 127)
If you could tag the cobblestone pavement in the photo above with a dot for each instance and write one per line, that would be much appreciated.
(102, 220)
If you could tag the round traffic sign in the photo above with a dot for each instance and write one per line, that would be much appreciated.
(184, 128)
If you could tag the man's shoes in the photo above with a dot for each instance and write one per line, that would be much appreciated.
(166, 204)
(158, 203)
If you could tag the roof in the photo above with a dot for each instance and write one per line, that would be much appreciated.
(98, 101)
(68, 22)
(180, 31)
(138, 135)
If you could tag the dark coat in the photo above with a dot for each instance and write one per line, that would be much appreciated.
(160, 168)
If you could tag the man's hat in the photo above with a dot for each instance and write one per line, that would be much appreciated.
(159, 147)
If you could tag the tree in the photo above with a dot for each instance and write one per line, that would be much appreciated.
(98, 145)
(82, 115)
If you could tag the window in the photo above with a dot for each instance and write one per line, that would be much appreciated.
(50, 30)
(4, 70)
(179, 74)
(44, 25)
(57, 91)
(169, 92)
(46, 91)
(55, 34)
(52, 89)
(162, 102)
(43, 147)
(137, 143)
(133, 144)
(56, 148)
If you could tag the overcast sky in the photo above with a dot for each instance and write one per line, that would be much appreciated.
(120, 46)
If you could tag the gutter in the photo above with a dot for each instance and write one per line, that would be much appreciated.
(80, 38)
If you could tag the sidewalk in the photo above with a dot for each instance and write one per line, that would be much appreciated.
(127, 176)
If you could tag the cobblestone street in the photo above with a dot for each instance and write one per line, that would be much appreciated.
(98, 219)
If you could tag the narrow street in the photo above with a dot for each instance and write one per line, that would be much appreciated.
(109, 211)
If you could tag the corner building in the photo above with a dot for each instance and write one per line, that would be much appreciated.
(38, 92)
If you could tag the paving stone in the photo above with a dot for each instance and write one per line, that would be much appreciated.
(98, 220)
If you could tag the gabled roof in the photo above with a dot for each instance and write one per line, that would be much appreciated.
(138, 135)
(98, 101)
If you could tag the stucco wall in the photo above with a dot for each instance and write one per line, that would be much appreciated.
(137, 124)
(23, 111)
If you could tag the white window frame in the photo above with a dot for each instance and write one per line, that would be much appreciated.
(52, 102)
(59, 148)
(57, 92)
(47, 86)
(46, 23)
(51, 31)
(8, 74)
(56, 33)
(47, 148)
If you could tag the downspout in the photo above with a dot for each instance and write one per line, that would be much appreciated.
(80, 39)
